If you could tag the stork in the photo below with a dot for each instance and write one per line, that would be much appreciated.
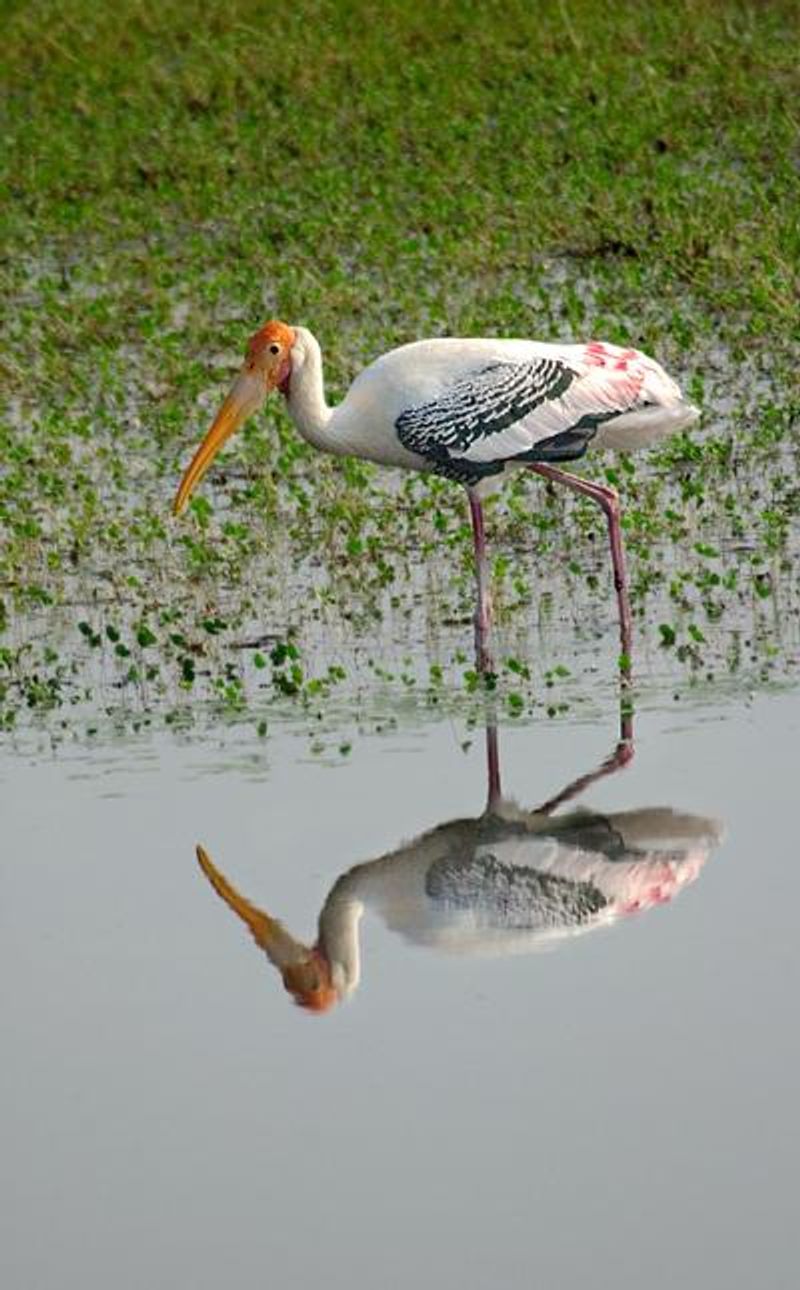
(469, 410)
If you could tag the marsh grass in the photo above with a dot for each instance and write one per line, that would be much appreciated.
(177, 172)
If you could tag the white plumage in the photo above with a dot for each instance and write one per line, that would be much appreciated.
(645, 402)
(469, 410)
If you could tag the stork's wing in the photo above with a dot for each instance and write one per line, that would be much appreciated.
(540, 410)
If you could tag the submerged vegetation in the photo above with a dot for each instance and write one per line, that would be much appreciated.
(179, 171)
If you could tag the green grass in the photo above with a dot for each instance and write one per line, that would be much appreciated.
(177, 172)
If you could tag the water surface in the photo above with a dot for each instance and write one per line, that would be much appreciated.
(620, 1107)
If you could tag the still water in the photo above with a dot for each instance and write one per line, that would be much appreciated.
(562, 1047)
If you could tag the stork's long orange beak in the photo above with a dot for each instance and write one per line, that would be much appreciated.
(247, 394)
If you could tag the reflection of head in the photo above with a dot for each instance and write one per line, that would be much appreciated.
(305, 970)
(309, 981)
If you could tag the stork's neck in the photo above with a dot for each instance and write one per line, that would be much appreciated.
(307, 405)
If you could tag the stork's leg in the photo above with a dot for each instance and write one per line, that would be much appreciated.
(608, 499)
(485, 662)
(483, 612)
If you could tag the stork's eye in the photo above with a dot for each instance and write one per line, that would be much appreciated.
(274, 349)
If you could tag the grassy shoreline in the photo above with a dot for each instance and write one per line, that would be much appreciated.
(177, 172)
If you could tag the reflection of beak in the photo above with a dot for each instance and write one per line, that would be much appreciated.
(281, 948)
(305, 971)
(247, 394)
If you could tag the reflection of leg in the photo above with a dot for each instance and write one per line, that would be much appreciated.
(608, 500)
(494, 794)
(626, 718)
(621, 756)
(483, 612)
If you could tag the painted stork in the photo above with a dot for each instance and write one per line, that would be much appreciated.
(468, 410)
(510, 881)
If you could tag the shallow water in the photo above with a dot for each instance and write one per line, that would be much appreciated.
(620, 1108)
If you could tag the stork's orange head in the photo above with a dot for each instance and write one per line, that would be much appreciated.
(267, 366)
(269, 350)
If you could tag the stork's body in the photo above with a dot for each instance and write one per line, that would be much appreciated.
(471, 409)
(468, 410)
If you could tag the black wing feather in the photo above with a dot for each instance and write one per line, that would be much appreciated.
(480, 405)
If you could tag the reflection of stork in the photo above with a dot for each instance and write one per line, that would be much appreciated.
(507, 882)
(469, 410)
